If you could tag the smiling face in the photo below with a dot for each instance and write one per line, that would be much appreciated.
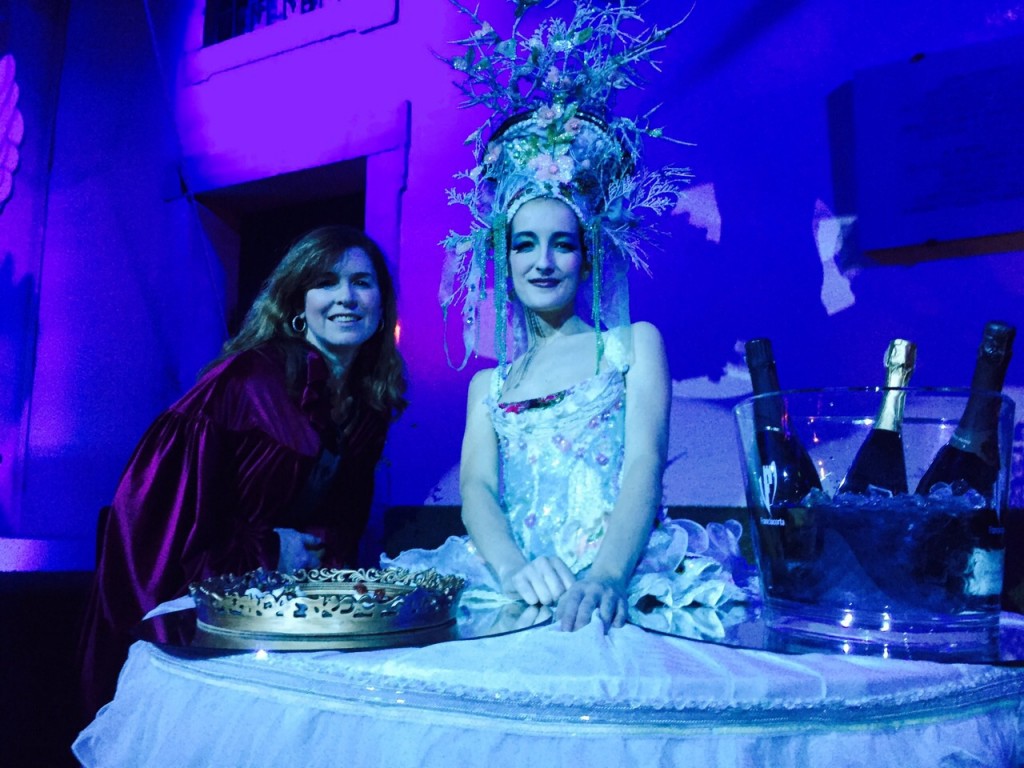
(546, 257)
(344, 309)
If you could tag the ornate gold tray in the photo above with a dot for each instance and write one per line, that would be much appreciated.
(176, 632)
(326, 608)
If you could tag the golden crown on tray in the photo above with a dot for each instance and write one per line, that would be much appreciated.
(301, 608)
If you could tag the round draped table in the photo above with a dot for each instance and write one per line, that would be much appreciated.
(542, 697)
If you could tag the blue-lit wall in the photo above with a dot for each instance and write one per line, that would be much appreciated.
(133, 281)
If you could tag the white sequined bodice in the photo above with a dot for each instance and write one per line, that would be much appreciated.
(561, 465)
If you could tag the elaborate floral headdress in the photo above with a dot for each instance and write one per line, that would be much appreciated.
(550, 134)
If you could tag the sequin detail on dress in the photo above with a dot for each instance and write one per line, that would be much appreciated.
(561, 465)
(561, 458)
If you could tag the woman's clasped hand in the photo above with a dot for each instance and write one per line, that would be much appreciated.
(299, 550)
(589, 597)
(547, 581)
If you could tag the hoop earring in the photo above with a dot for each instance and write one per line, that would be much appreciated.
(299, 324)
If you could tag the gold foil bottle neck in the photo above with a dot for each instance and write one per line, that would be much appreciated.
(899, 363)
(901, 353)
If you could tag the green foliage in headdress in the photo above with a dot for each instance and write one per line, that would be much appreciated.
(550, 132)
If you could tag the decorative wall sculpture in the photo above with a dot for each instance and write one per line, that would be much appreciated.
(12, 128)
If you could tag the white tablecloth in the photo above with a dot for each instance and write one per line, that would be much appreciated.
(543, 697)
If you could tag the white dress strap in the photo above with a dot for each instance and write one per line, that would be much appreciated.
(498, 377)
(616, 348)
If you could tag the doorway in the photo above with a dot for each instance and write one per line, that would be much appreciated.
(260, 220)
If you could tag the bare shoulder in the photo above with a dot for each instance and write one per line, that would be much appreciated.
(480, 385)
(648, 344)
(646, 333)
(649, 383)
(479, 441)
(641, 332)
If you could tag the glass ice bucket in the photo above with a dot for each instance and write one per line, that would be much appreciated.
(904, 570)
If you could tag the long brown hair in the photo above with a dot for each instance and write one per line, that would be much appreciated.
(376, 379)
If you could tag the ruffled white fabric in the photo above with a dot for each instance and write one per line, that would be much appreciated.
(544, 697)
(691, 575)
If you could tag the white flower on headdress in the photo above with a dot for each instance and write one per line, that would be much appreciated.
(547, 168)
(545, 116)
(618, 213)
(559, 70)
(493, 153)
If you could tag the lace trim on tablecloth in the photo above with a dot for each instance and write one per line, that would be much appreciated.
(965, 691)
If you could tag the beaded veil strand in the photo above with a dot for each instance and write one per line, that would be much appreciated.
(550, 133)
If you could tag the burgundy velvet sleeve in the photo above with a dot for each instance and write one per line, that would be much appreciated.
(143, 539)
(158, 533)
(196, 500)
(205, 488)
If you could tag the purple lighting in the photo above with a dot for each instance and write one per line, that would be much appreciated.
(148, 156)
(12, 127)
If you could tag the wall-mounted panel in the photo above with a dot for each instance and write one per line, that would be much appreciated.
(232, 33)
(939, 156)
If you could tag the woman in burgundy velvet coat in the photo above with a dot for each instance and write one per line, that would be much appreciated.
(268, 460)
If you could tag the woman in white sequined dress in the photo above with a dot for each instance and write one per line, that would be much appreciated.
(561, 466)
(566, 437)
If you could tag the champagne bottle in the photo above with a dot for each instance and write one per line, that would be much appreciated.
(788, 528)
(787, 473)
(880, 466)
(970, 460)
